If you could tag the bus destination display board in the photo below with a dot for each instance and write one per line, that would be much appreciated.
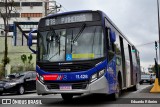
(69, 19)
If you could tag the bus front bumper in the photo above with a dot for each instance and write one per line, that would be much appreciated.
(98, 86)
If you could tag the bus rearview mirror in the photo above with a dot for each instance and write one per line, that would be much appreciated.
(30, 36)
(30, 39)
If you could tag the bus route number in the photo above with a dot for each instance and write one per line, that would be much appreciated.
(81, 76)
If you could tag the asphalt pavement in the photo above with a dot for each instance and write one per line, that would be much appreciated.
(95, 100)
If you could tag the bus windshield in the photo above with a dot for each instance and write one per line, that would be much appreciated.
(81, 43)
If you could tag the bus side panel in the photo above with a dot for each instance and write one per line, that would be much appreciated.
(111, 75)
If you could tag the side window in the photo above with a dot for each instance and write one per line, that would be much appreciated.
(126, 50)
(111, 52)
(107, 35)
(28, 75)
(34, 75)
(118, 61)
(117, 46)
(111, 45)
(134, 58)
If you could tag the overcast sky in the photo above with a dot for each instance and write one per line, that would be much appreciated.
(137, 20)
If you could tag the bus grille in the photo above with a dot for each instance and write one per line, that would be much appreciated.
(65, 68)
(80, 85)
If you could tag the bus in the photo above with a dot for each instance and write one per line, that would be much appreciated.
(82, 52)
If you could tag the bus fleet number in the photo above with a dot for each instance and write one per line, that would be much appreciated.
(81, 76)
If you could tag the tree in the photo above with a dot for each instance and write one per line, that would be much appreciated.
(153, 68)
(6, 8)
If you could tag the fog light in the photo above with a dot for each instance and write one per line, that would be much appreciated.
(94, 77)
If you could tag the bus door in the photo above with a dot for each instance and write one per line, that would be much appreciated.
(131, 63)
(123, 61)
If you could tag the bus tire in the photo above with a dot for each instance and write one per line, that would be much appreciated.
(116, 95)
(135, 87)
(67, 97)
(140, 83)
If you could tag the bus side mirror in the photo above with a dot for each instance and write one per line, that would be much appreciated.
(30, 40)
(112, 36)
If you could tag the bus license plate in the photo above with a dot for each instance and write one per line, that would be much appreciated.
(65, 87)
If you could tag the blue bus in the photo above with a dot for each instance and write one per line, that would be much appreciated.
(83, 52)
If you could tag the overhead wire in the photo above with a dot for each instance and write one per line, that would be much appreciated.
(146, 44)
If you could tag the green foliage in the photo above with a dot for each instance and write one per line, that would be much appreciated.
(30, 57)
(7, 60)
(24, 58)
(1, 71)
(28, 66)
(153, 69)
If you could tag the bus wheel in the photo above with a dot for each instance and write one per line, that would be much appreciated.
(135, 87)
(116, 95)
(67, 97)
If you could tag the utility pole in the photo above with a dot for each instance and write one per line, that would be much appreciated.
(156, 47)
(159, 38)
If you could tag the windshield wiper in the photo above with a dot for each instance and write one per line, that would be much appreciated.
(79, 33)
(77, 36)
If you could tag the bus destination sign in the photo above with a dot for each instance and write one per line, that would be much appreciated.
(69, 19)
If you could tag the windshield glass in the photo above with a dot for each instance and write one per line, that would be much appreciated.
(71, 44)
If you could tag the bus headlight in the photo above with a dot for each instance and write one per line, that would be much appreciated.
(97, 75)
(101, 73)
(94, 77)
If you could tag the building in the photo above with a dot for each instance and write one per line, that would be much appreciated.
(24, 11)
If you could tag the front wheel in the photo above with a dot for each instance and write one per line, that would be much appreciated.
(135, 87)
(21, 90)
(116, 95)
(67, 97)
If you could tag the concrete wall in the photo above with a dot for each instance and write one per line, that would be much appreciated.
(15, 52)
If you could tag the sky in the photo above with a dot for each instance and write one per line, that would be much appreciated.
(136, 19)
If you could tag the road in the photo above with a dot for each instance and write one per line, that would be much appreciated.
(92, 99)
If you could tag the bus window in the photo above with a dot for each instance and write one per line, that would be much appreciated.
(126, 51)
(117, 45)
(118, 61)
(134, 58)
(110, 46)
